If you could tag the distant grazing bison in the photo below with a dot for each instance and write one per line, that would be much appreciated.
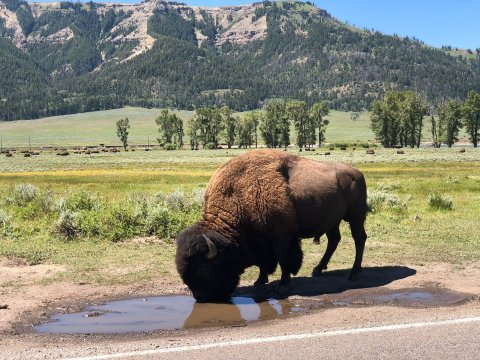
(257, 208)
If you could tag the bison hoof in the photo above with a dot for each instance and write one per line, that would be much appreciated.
(354, 276)
(317, 272)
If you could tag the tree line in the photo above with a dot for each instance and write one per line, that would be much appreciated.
(212, 126)
(398, 119)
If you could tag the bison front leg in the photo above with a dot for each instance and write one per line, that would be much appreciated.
(267, 266)
(261, 282)
(290, 258)
(334, 237)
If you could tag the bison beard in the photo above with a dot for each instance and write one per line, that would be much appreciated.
(257, 208)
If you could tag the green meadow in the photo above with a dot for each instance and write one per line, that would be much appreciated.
(99, 128)
(111, 218)
(126, 208)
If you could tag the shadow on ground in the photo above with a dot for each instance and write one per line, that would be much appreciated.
(336, 281)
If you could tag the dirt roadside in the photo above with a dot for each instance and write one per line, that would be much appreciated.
(28, 303)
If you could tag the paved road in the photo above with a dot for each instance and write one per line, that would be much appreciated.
(362, 333)
(458, 338)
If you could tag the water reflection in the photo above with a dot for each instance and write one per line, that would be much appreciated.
(240, 311)
(163, 313)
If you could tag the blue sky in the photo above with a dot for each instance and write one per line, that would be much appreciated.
(436, 22)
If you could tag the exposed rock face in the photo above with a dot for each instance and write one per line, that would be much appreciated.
(11, 23)
(234, 24)
(60, 37)
(238, 24)
(138, 23)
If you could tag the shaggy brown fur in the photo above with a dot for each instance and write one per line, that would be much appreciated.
(258, 206)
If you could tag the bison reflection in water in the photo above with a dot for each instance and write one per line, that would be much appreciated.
(257, 208)
(238, 311)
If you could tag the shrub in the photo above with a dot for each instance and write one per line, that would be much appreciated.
(210, 146)
(165, 223)
(376, 200)
(197, 197)
(379, 200)
(48, 204)
(176, 201)
(121, 222)
(5, 224)
(170, 146)
(163, 215)
(24, 194)
(141, 204)
(67, 225)
(388, 187)
(3, 218)
(80, 201)
(89, 223)
(439, 202)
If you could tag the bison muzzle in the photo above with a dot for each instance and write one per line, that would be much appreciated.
(257, 208)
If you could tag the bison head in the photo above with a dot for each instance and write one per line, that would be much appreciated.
(208, 264)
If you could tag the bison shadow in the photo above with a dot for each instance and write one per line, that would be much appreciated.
(333, 282)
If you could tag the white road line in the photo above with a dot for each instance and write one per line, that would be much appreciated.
(282, 338)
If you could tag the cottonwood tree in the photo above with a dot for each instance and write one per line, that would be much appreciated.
(122, 131)
(384, 120)
(245, 131)
(412, 109)
(193, 132)
(297, 112)
(208, 125)
(449, 122)
(318, 113)
(275, 125)
(471, 116)
(398, 119)
(253, 117)
(170, 129)
(435, 130)
(230, 125)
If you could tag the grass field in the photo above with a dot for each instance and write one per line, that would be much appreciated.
(90, 128)
(99, 128)
(403, 230)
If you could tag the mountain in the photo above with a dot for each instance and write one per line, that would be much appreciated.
(63, 57)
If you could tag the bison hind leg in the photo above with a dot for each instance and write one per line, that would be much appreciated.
(334, 237)
(360, 236)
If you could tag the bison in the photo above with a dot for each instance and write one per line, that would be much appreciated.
(257, 208)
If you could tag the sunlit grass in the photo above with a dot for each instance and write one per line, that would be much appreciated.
(415, 235)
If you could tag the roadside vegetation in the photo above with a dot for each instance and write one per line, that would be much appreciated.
(113, 218)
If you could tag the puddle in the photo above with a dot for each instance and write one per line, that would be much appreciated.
(166, 313)
(410, 297)
(407, 297)
(182, 312)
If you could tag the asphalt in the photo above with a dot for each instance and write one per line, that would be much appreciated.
(378, 332)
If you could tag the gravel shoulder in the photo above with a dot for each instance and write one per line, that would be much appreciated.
(29, 303)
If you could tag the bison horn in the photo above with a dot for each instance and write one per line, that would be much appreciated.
(212, 249)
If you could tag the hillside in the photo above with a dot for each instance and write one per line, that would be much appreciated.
(61, 58)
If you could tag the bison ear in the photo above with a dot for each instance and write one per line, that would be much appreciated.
(212, 249)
